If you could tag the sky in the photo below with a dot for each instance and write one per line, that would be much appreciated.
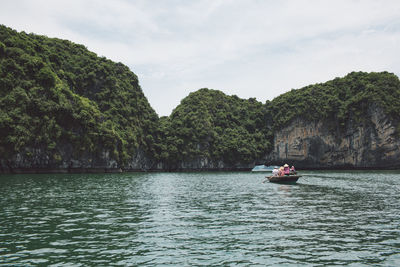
(248, 48)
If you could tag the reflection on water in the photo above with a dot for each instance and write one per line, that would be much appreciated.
(328, 218)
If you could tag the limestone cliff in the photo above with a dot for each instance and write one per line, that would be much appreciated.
(369, 144)
(41, 161)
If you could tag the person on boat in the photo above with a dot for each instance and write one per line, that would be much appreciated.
(286, 169)
(275, 171)
(281, 171)
(292, 170)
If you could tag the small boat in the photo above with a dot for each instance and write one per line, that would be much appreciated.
(263, 168)
(286, 179)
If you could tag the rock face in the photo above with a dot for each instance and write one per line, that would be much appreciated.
(369, 144)
(40, 161)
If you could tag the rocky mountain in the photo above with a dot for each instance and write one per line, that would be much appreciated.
(350, 122)
(210, 130)
(64, 109)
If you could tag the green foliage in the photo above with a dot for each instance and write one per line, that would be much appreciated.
(55, 93)
(2, 49)
(46, 77)
(212, 125)
(339, 100)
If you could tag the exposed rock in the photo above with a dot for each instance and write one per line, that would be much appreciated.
(368, 144)
(41, 161)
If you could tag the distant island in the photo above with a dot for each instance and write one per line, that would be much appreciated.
(64, 109)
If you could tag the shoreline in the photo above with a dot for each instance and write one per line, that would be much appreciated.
(119, 170)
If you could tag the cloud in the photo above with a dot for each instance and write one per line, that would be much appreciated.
(248, 48)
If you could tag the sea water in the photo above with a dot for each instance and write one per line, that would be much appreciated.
(205, 218)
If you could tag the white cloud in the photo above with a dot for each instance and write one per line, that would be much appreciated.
(249, 48)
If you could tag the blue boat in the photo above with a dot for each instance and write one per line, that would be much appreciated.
(263, 168)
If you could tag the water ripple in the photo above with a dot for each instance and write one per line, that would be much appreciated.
(180, 219)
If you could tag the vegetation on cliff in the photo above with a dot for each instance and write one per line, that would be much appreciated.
(209, 124)
(339, 100)
(57, 96)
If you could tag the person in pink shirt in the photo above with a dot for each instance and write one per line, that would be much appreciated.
(292, 170)
(286, 169)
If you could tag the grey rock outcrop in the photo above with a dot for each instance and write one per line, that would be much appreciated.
(40, 160)
(368, 144)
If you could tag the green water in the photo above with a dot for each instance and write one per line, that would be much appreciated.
(185, 219)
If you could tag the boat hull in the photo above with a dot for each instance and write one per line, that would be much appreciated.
(287, 179)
